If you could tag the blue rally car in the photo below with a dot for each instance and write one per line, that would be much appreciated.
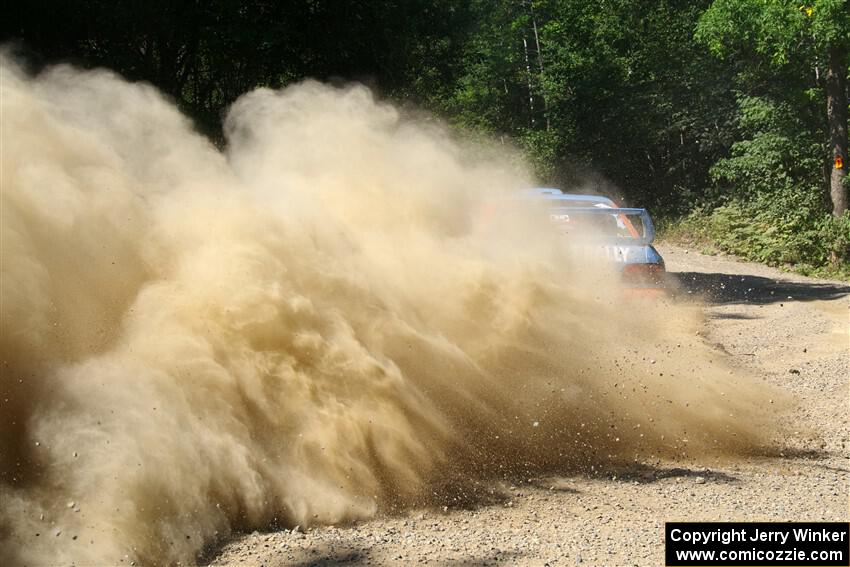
(622, 236)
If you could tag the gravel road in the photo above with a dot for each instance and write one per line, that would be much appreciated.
(790, 330)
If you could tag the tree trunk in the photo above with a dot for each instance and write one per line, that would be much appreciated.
(539, 63)
(836, 111)
(530, 85)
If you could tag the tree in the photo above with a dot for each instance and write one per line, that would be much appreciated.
(786, 34)
(207, 53)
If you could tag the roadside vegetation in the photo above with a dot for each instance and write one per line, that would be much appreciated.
(805, 241)
(728, 119)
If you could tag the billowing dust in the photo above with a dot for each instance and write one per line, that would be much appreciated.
(312, 326)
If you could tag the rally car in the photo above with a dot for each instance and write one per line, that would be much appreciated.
(596, 225)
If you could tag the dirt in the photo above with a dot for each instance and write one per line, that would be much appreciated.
(792, 331)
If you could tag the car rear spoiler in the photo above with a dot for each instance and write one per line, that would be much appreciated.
(635, 224)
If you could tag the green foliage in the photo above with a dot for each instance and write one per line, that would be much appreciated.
(771, 28)
(781, 232)
(777, 30)
(541, 149)
(778, 154)
(682, 105)
(774, 183)
(613, 89)
(773, 199)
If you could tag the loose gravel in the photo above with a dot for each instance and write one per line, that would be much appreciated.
(793, 332)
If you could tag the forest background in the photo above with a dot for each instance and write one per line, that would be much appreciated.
(727, 119)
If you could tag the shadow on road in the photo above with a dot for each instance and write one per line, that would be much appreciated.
(719, 288)
(644, 474)
(325, 557)
(355, 554)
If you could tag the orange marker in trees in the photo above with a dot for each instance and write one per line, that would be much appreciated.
(839, 162)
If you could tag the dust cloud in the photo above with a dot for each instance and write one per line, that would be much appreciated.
(311, 326)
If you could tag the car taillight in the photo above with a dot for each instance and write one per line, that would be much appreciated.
(644, 274)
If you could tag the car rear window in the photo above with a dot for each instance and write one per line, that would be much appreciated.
(598, 221)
